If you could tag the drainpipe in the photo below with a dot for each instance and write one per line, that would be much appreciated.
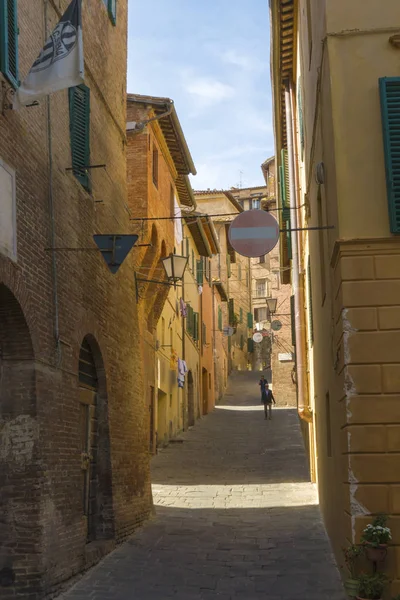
(298, 288)
(214, 338)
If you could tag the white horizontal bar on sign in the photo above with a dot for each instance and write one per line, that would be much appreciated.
(253, 233)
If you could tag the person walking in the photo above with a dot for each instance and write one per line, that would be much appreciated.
(262, 383)
(267, 398)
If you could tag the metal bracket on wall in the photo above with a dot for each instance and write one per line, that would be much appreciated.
(143, 280)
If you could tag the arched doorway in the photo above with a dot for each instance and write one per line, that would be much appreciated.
(95, 443)
(191, 417)
(19, 470)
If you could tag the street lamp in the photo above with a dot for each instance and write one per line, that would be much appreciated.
(271, 303)
(174, 266)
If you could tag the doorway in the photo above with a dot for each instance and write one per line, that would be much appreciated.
(95, 444)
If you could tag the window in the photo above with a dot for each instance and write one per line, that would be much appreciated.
(249, 320)
(9, 41)
(193, 262)
(256, 203)
(112, 10)
(231, 309)
(187, 248)
(260, 314)
(8, 221)
(79, 116)
(261, 288)
(200, 272)
(390, 96)
(262, 259)
(228, 265)
(155, 166)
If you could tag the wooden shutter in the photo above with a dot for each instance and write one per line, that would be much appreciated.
(189, 320)
(9, 41)
(241, 314)
(310, 305)
(200, 272)
(228, 264)
(219, 318)
(284, 173)
(250, 345)
(249, 320)
(196, 326)
(390, 108)
(241, 342)
(79, 115)
(112, 11)
(231, 309)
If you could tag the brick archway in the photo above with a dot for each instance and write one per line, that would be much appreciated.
(19, 464)
(160, 292)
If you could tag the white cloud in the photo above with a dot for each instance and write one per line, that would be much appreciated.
(248, 63)
(207, 91)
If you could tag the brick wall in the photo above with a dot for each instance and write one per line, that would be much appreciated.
(91, 302)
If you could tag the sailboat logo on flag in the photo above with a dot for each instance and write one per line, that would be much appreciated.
(61, 42)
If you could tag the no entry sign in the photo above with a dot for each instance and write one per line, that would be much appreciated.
(254, 233)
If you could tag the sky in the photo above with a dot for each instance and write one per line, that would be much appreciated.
(211, 57)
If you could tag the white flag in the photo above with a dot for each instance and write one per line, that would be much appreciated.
(178, 223)
(60, 63)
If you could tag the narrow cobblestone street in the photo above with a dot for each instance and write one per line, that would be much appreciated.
(236, 516)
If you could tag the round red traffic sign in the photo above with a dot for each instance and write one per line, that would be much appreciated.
(254, 233)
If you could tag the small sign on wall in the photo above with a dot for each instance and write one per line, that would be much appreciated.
(285, 357)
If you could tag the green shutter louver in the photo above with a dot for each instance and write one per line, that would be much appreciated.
(284, 176)
(293, 320)
(9, 41)
(249, 320)
(231, 311)
(187, 247)
(241, 342)
(228, 265)
(190, 321)
(389, 88)
(241, 315)
(310, 304)
(112, 11)
(219, 318)
(195, 326)
(79, 115)
(250, 345)
(200, 272)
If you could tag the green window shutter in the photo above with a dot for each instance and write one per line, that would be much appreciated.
(390, 108)
(231, 310)
(249, 320)
(79, 116)
(195, 326)
(241, 314)
(241, 342)
(219, 318)
(187, 247)
(250, 345)
(200, 272)
(293, 320)
(193, 262)
(112, 11)
(189, 321)
(9, 41)
(310, 305)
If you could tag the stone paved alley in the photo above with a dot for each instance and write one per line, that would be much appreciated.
(236, 516)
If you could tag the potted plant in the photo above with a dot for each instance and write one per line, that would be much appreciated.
(371, 586)
(375, 538)
(351, 555)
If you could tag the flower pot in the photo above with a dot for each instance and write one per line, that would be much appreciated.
(351, 587)
(376, 553)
